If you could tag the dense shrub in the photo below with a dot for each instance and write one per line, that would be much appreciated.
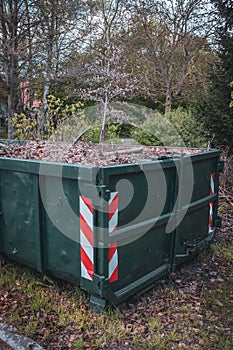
(177, 128)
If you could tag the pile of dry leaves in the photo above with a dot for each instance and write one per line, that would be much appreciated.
(87, 153)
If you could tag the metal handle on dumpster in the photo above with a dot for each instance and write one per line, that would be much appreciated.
(192, 247)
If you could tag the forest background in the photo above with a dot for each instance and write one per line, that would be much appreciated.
(59, 57)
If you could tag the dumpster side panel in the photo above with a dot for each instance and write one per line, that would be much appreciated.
(143, 255)
(146, 201)
(18, 216)
(198, 226)
(60, 227)
(192, 235)
(39, 216)
(203, 167)
(143, 194)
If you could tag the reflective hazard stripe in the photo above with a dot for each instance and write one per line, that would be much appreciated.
(212, 178)
(86, 238)
(112, 250)
(113, 212)
(113, 262)
(211, 204)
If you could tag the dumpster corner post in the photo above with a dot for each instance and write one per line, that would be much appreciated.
(97, 304)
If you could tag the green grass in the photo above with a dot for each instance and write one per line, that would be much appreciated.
(166, 318)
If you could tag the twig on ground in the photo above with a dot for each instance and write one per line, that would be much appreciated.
(4, 148)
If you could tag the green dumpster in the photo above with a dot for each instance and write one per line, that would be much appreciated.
(112, 230)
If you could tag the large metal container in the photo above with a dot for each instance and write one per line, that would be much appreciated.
(112, 230)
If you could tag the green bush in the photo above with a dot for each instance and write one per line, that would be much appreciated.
(231, 103)
(190, 130)
(60, 122)
(93, 135)
(144, 137)
(177, 128)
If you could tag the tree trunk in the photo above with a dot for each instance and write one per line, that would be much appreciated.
(9, 118)
(30, 54)
(13, 90)
(103, 129)
(50, 27)
(46, 92)
(168, 102)
(9, 35)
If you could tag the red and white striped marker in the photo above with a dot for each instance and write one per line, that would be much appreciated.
(86, 237)
(112, 250)
(211, 205)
